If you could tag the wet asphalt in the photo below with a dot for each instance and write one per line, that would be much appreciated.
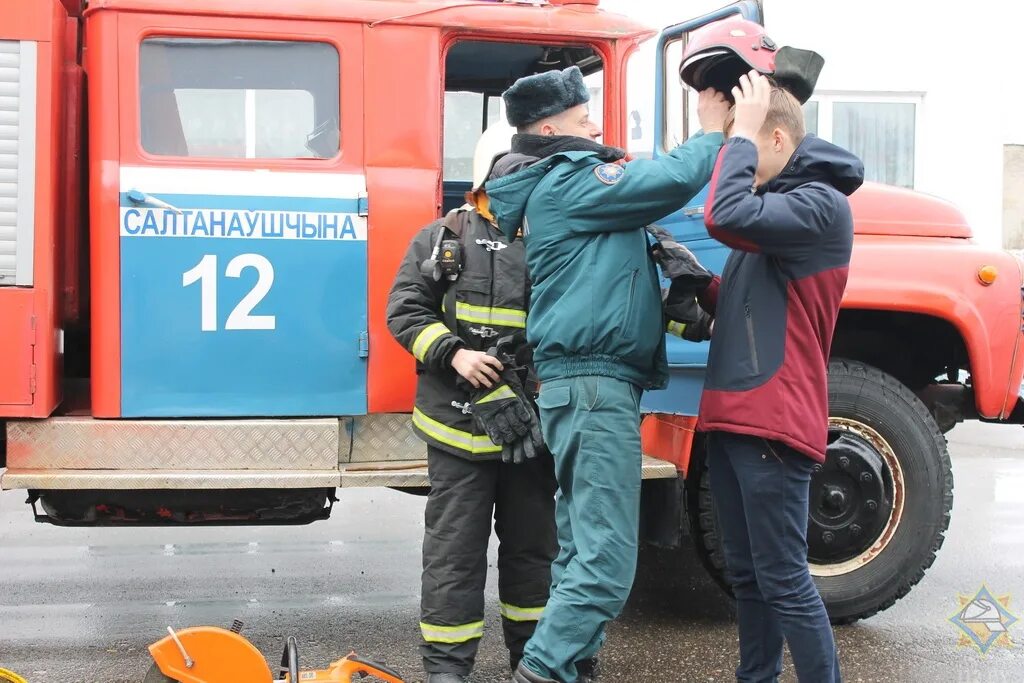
(81, 605)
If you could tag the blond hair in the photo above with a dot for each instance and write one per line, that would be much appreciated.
(783, 112)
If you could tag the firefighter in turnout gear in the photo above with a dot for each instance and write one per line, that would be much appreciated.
(458, 304)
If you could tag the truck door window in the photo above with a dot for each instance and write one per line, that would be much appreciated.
(677, 99)
(640, 101)
(476, 73)
(239, 99)
(595, 84)
(464, 120)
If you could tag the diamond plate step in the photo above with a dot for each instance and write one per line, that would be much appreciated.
(82, 443)
(385, 437)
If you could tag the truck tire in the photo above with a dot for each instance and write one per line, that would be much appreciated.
(700, 509)
(879, 505)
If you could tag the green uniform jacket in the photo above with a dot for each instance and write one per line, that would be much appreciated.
(596, 307)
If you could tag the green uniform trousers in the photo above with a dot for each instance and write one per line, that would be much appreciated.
(592, 427)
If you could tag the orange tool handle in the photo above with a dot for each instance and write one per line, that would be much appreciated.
(355, 665)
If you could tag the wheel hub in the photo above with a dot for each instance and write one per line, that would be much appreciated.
(851, 501)
(834, 499)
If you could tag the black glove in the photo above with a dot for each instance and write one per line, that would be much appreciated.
(520, 451)
(676, 261)
(685, 317)
(509, 419)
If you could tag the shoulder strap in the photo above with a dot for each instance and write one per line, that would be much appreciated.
(455, 222)
(450, 304)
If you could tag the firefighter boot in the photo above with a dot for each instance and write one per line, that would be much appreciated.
(524, 675)
(445, 678)
(587, 670)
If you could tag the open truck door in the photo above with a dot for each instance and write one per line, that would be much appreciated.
(675, 119)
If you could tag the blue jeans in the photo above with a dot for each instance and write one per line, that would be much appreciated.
(592, 427)
(761, 491)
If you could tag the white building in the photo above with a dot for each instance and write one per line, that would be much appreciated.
(929, 94)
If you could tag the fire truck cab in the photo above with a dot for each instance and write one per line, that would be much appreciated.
(202, 206)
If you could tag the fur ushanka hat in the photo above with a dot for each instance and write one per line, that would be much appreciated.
(536, 97)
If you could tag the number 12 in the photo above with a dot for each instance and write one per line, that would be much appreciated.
(241, 317)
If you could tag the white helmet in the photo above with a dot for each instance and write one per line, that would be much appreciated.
(495, 142)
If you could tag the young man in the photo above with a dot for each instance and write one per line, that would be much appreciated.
(765, 402)
(598, 330)
(485, 455)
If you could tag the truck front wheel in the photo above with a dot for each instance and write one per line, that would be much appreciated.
(879, 505)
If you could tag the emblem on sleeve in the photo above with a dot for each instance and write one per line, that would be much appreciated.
(609, 174)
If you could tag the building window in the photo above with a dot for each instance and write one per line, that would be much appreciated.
(881, 134)
(1013, 197)
(881, 130)
(239, 99)
(811, 117)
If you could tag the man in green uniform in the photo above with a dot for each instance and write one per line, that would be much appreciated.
(598, 330)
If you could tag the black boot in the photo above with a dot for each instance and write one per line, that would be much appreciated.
(445, 678)
(586, 670)
(524, 675)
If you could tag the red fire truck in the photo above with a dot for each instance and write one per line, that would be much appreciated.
(202, 206)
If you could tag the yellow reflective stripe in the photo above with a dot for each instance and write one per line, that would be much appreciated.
(676, 328)
(498, 394)
(451, 634)
(426, 338)
(515, 613)
(474, 443)
(485, 315)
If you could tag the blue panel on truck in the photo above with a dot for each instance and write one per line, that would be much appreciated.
(681, 396)
(243, 293)
(687, 360)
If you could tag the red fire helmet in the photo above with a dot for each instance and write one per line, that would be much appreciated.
(717, 55)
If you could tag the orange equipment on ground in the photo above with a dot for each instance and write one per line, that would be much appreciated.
(208, 654)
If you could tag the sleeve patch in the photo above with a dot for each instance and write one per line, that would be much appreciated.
(609, 174)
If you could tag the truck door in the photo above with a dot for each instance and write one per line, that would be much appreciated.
(675, 118)
(241, 242)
